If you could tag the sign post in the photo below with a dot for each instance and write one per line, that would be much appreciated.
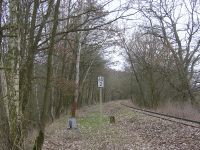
(101, 85)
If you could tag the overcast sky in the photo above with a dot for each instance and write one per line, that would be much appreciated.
(135, 20)
(116, 54)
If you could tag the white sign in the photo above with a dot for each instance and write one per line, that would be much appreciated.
(100, 81)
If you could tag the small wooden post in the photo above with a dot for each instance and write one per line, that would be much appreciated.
(112, 119)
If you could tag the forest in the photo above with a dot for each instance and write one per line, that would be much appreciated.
(52, 52)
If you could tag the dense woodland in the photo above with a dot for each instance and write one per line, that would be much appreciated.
(52, 51)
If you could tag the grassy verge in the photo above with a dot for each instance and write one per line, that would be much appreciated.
(92, 121)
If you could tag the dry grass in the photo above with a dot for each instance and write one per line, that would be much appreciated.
(184, 110)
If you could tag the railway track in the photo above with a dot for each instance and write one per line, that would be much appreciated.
(187, 122)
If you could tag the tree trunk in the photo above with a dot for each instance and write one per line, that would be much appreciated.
(12, 75)
(40, 138)
(4, 127)
(4, 112)
(77, 77)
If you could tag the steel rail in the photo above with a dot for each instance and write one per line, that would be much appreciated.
(149, 113)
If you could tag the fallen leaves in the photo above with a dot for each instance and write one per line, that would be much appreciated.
(132, 131)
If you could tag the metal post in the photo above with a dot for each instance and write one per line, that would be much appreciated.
(101, 85)
(101, 111)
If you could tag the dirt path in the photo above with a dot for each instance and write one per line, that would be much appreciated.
(132, 131)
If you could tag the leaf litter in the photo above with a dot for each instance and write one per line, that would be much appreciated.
(132, 131)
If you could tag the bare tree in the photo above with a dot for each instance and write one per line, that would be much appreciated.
(40, 139)
(176, 23)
